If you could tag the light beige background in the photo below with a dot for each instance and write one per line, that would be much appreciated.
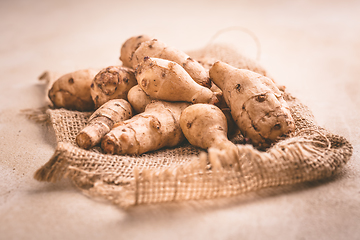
(312, 47)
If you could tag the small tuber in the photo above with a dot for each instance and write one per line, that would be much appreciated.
(102, 120)
(113, 82)
(205, 126)
(166, 80)
(128, 48)
(138, 98)
(72, 90)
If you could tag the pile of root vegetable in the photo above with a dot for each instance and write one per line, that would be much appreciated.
(163, 127)
(160, 96)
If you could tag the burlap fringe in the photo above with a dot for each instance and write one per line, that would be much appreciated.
(38, 115)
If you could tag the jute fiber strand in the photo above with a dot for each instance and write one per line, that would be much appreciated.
(187, 172)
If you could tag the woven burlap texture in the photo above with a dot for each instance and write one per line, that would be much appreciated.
(187, 172)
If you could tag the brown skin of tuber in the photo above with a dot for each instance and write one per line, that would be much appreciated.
(166, 80)
(156, 49)
(256, 104)
(138, 99)
(102, 120)
(205, 126)
(113, 82)
(157, 127)
(129, 47)
(72, 91)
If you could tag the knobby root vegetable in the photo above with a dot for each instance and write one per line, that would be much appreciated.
(157, 127)
(102, 120)
(138, 98)
(256, 104)
(205, 126)
(72, 90)
(166, 80)
(156, 49)
(128, 48)
(112, 83)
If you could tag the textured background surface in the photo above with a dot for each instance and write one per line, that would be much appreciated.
(312, 47)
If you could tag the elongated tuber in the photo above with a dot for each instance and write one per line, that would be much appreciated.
(256, 104)
(166, 80)
(151, 130)
(205, 126)
(128, 48)
(138, 98)
(156, 49)
(102, 120)
(112, 83)
(72, 90)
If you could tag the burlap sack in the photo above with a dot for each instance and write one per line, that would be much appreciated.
(187, 172)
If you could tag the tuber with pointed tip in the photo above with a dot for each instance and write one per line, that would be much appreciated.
(102, 120)
(205, 126)
(166, 80)
(113, 82)
(72, 90)
(157, 127)
(157, 49)
(256, 104)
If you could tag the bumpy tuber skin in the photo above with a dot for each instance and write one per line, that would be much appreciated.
(72, 90)
(129, 47)
(102, 120)
(156, 49)
(112, 83)
(166, 80)
(256, 104)
(138, 98)
(205, 126)
(151, 130)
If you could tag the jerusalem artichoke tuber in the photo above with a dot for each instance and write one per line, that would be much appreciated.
(205, 126)
(256, 104)
(72, 90)
(166, 80)
(157, 127)
(101, 122)
(156, 49)
(112, 83)
(138, 98)
(129, 47)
